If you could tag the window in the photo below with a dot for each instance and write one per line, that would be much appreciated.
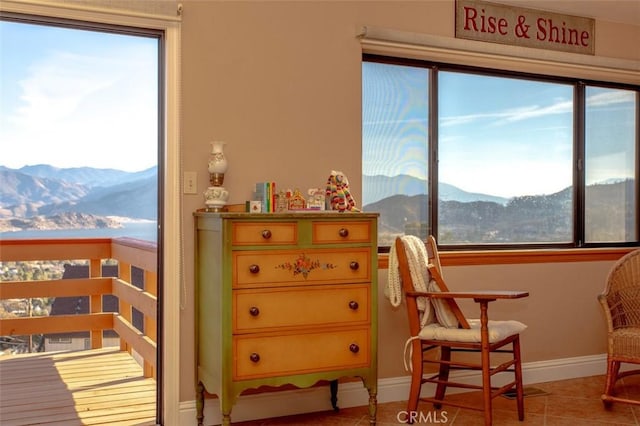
(509, 160)
(84, 116)
(162, 17)
(395, 148)
(611, 161)
(60, 340)
(80, 110)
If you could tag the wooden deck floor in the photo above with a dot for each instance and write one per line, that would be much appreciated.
(94, 387)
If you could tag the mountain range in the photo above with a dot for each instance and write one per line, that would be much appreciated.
(44, 190)
(609, 216)
(83, 194)
(379, 187)
(34, 197)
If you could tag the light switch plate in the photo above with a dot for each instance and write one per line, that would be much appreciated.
(190, 183)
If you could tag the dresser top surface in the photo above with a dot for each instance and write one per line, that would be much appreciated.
(326, 214)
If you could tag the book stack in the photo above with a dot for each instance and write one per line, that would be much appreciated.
(266, 193)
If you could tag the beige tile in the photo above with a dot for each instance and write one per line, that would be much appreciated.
(569, 421)
(583, 387)
(500, 418)
(629, 387)
(569, 402)
(588, 410)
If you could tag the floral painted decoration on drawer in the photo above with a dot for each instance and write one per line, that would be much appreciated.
(303, 265)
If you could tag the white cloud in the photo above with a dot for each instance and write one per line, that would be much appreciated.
(611, 97)
(95, 110)
(55, 87)
(560, 106)
(510, 115)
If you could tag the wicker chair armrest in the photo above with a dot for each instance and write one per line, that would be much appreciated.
(602, 298)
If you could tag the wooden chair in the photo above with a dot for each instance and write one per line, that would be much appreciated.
(436, 321)
(620, 301)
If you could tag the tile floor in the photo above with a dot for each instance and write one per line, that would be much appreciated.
(574, 402)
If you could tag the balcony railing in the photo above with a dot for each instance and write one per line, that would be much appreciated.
(128, 253)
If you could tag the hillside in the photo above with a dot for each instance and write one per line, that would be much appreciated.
(45, 197)
(19, 188)
(58, 221)
(86, 176)
(543, 218)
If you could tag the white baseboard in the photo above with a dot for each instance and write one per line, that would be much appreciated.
(353, 394)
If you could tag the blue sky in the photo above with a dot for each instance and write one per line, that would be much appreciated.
(504, 137)
(73, 98)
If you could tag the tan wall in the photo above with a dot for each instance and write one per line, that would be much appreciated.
(280, 83)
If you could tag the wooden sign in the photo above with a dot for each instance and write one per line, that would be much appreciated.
(497, 23)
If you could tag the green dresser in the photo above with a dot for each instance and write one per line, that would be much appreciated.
(284, 299)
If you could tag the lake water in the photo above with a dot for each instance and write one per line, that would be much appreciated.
(140, 230)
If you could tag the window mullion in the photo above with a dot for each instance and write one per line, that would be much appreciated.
(433, 153)
(579, 165)
(637, 176)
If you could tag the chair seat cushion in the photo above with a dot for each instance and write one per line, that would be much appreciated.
(498, 330)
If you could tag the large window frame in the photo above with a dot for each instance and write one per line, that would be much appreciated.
(158, 36)
(170, 238)
(579, 85)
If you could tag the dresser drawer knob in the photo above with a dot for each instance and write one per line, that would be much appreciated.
(254, 357)
(353, 305)
(354, 348)
(266, 234)
(344, 232)
(254, 269)
(354, 265)
(254, 311)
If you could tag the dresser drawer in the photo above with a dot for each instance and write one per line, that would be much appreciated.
(264, 309)
(341, 232)
(281, 267)
(264, 233)
(285, 354)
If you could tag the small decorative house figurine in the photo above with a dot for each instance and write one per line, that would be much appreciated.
(297, 201)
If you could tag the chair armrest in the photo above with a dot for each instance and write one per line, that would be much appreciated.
(481, 297)
(488, 295)
(604, 303)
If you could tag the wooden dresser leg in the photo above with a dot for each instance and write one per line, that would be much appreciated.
(373, 407)
(226, 419)
(333, 386)
(200, 403)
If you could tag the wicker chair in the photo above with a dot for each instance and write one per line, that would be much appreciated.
(621, 304)
(436, 322)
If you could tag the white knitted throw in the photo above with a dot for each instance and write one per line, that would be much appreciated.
(418, 260)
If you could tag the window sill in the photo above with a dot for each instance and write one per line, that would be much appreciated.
(511, 257)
